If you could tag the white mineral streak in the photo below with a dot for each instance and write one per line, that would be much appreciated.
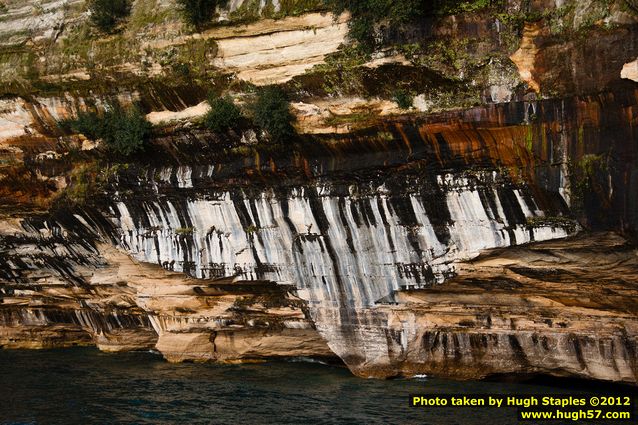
(348, 255)
(184, 177)
(359, 259)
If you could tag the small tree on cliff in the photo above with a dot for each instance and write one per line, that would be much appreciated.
(369, 16)
(123, 131)
(199, 12)
(106, 14)
(223, 114)
(365, 14)
(272, 113)
(402, 98)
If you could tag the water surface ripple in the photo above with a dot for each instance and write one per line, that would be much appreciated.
(85, 386)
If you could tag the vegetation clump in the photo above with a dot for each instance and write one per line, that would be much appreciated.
(184, 231)
(569, 224)
(106, 14)
(123, 131)
(199, 12)
(223, 114)
(403, 99)
(450, 7)
(367, 15)
(272, 113)
(298, 7)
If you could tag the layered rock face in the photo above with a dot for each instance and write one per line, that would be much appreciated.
(61, 288)
(48, 299)
(363, 255)
(345, 255)
(563, 308)
(428, 242)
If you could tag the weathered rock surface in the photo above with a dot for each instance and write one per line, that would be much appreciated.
(548, 64)
(389, 239)
(76, 294)
(274, 52)
(356, 247)
(630, 71)
(564, 308)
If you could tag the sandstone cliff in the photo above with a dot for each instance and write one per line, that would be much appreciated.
(392, 237)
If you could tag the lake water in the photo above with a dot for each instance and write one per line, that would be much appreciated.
(85, 386)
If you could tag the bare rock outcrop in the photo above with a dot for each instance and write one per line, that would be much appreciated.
(401, 230)
(102, 297)
(630, 71)
(563, 308)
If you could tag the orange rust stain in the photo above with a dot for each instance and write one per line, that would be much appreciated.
(32, 143)
(460, 145)
(431, 140)
(406, 139)
(434, 128)
(629, 116)
(257, 161)
(491, 146)
(467, 144)
(505, 146)
(20, 188)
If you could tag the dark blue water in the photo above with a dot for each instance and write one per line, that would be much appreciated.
(84, 386)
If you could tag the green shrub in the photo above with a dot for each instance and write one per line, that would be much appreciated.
(184, 231)
(199, 12)
(106, 14)
(223, 114)
(272, 113)
(403, 99)
(298, 7)
(366, 14)
(123, 132)
(182, 70)
(451, 7)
